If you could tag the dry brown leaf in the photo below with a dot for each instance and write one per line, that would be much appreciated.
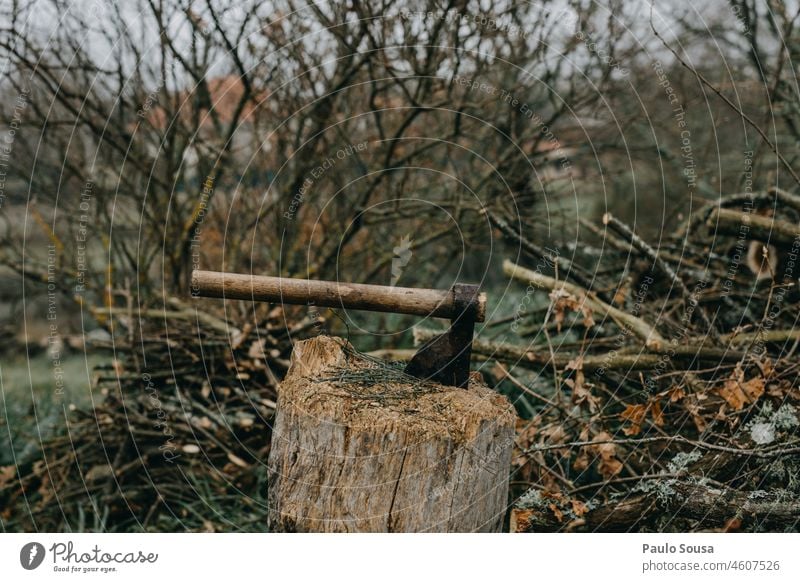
(554, 495)
(632, 430)
(578, 507)
(521, 520)
(676, 393)
(736, 392)
(527, 430)
(621, 294)
(558, 297)
(575, 364)
(694, 410)
(580, 389)
(581, 395)
(557, 512)
(7, 473)
(657, 413)
(634, 413)
(754, 388)
(563, 301)
(581, 461)
(767, 368)
(605, 449)
(588, 319)
(733, 524)
(555, 434)
(637, 413)
(609, 465)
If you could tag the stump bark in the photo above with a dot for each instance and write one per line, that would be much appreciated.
(385, 457)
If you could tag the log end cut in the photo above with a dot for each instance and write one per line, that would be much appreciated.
(386, 456)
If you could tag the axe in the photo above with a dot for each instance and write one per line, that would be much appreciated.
(444, 358)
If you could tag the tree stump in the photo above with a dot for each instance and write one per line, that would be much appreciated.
(385, 457)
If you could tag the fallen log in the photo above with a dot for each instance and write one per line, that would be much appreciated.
(669, 500)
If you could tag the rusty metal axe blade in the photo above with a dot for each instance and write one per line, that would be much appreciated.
(445, 358)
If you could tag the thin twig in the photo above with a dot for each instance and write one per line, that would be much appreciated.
(765, 454)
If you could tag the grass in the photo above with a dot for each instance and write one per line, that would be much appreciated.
(30, 407)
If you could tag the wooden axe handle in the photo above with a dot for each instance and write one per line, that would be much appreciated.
(428, 302)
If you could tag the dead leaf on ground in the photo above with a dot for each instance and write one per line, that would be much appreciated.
(693, 408)
(656, 413)
(578, 507)
(564, 301)
(737, 392)
(608, 464)
(557, 512)
(581, 393)
(582, 461)
(637, 413)
(634, 413)
(7, 473)
(554, 434)
(676, 393)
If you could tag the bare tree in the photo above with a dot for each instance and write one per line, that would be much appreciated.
(267, 136)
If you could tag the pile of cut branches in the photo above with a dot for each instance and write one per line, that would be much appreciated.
(658, 384)
(179, 435)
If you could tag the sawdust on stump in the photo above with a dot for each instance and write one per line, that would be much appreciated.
(358, 446)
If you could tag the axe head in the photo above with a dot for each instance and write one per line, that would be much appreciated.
(445, 358)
